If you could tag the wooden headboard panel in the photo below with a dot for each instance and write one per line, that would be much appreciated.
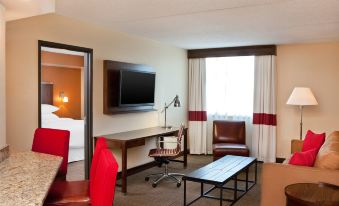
(47, 93)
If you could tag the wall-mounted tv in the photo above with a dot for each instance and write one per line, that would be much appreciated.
(128, 87)
(136, 88)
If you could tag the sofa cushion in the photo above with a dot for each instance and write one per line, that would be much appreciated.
(328, 156)
(306, 158)
(313, 141)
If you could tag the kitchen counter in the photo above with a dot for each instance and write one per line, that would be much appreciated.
(26, 177)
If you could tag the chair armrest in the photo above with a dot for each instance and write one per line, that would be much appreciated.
(275, 177)
(296, 145)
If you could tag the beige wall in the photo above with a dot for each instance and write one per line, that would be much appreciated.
(309, 65)
(169, 62)
(2, 79)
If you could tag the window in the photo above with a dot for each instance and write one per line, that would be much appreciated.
(230, 85)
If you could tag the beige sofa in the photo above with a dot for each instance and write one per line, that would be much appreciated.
(275, 177)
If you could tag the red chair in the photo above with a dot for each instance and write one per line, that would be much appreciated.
(100, 191)
(54, 142)
(99, 145)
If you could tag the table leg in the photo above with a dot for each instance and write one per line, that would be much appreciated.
(202, 189)
(255, 172)
(184, 192)
(185, 148)
(247, 179)
(221, 197)
(124, 168)
(235, 188)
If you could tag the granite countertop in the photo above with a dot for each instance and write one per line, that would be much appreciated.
(26, 177)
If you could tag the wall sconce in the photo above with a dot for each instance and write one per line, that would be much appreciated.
(63, 97)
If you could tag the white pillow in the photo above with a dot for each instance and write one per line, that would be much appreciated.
(49, 116)
(48, 109)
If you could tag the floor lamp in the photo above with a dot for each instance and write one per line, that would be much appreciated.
(302, 96)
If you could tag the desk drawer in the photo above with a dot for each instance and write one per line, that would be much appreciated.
(135, 143)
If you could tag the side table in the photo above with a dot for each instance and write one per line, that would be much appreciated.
(309, 194)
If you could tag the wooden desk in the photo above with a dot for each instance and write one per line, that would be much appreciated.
(135, 138)
(26, 177)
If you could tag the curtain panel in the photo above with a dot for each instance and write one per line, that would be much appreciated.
(264, 109)
(197, 115)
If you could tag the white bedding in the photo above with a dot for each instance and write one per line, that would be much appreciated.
(76, 128)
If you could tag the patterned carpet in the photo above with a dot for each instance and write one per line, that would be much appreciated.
(166, 193)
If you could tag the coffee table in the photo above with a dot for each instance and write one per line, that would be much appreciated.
(219, 173)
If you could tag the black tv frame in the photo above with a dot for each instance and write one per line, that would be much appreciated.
(111, 87)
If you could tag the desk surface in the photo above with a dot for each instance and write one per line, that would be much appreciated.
(141, 133)
(26, 177)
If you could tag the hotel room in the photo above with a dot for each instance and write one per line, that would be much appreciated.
(164, 103)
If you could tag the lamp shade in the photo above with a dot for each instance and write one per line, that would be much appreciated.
(177, 101)
(302, 96)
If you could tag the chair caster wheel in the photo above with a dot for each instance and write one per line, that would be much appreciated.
(154, 185)
(178, 184)
(146, 179)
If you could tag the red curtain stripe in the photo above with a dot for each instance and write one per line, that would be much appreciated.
(197, 116)
(265, 119)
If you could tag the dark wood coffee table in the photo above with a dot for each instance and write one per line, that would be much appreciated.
(219, 173)
(308, 194)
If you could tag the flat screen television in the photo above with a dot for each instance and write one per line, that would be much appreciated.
(136, 88)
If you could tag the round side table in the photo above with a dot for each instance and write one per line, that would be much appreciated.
(312, 194)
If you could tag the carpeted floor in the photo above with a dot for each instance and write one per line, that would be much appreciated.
(166, 193)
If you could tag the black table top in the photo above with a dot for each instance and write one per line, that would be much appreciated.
(220, 171)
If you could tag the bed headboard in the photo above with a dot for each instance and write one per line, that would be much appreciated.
(46, 93)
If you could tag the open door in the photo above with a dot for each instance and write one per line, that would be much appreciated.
(65, 98)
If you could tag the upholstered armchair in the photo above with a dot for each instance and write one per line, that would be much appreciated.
(229, 138)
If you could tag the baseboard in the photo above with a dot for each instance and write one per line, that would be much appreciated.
(4, 153)
(279, 160)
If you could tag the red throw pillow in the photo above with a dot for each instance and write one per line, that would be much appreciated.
(313, 141)
(306, 158)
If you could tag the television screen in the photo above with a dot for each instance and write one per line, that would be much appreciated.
(136, 88)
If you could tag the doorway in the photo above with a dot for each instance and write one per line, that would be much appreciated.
(65, 97)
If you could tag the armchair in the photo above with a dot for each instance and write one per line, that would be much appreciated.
(162, 156)
(229, 138)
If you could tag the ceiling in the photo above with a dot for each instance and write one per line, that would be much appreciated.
(192, 24)
(17, 9)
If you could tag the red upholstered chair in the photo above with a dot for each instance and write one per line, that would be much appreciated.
(229, 138)
(54, 142)
(100, 144)
(99, 193)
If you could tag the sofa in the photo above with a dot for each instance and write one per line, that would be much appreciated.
(275, 177)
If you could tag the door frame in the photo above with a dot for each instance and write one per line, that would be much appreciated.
(88, 96)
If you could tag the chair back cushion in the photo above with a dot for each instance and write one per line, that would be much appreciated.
(229, 132)
(102, 191)
(99, 146)
(54, 142)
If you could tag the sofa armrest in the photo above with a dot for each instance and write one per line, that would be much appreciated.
(296, 145)
(275, 177)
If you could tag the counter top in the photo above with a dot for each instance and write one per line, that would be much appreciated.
(26, 177)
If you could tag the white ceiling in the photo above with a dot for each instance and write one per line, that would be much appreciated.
(212, 23)
(17, 9)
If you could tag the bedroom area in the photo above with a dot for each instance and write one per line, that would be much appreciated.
(62, 98)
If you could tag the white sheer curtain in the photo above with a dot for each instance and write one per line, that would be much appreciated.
(229, 92)
(265, 120)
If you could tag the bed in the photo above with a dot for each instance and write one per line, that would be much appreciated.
(76, 128)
